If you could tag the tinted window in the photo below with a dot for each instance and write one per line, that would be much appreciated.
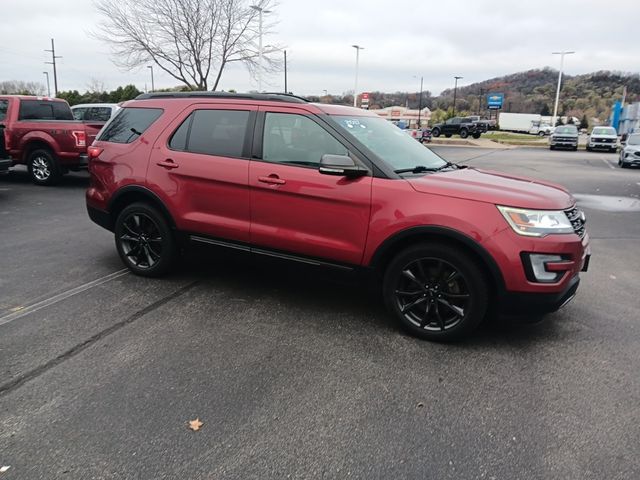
(566, 129)
(129, 124)
(297, 140)
(603, 131)
(4, 106)
(44, 110)
(78, 113)
(98, 114)
(218, 132)
(179, 138)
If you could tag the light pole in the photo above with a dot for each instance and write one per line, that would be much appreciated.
(419, 100)
(46, 74)
(555, 108)
(355, 91)
(153, 87)
(455, 92)
(260, 11)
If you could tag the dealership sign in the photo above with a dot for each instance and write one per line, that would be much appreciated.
(495, 100)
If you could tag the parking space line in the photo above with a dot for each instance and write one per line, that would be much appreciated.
(21, 312)
(608, 163)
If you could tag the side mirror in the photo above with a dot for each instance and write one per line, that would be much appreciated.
(340, 165)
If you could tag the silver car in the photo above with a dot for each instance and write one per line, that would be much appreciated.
(630, 151)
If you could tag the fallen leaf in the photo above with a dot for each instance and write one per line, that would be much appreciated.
(4, 468)
(195, 425)
(420, 404)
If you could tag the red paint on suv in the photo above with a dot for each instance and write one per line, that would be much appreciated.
(339, 187)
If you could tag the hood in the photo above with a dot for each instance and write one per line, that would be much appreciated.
(600, 135)
(496, 188)
(632, 148)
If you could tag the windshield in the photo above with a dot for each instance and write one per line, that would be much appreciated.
(567, 129)
(633, 139)
(603, 131)
(388, 142)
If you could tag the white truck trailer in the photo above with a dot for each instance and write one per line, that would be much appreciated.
(523, 122)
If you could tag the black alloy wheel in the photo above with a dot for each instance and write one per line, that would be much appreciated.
(436, 292)
(144, 240)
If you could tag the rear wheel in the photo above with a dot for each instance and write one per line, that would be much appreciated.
(43, 167)
(435, 132)
(144, 240)
(541, 134)
(436, 292)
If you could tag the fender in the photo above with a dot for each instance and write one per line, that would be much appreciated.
(140, 192)
(387, 247)
(35, 136)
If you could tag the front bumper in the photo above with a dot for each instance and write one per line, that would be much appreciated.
(563, 143)
(605, 145)
(521, 303)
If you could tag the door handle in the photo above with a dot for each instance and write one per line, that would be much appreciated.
(168, 163)
(272, 179)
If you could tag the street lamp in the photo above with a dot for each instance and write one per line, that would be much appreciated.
(455, 91)
(555, 107)
(419, 100)
(260, 11)
(153, 87)
(46, 74)
(355, 91)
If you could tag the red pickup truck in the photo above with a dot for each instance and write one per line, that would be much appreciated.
(40, 132)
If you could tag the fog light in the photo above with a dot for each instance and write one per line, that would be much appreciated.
(538, 263)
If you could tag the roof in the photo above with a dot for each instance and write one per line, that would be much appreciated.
(89, 105)
(33, 97)
(272, 97)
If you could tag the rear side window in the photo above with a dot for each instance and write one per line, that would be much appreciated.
(98, 114)
(44, 110)
(78, 113)
(212, 132)
(129, 124)
(4, 106)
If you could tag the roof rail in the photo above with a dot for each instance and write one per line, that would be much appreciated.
(274, 97)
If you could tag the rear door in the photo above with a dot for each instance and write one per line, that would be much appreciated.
(295, 208)
(4, 110)
(200, 165)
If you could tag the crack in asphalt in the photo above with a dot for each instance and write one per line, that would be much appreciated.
(36, 372)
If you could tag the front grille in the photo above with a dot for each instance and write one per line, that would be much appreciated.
(603, 140)
(576, 217)
(565, 139)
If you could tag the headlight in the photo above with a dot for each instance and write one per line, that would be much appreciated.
(536, 223)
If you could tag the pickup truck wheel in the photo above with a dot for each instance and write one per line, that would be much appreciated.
(43, 168)
(144, 240)
(435, 132)
(435, 291)
(541, 134)
(464, 133)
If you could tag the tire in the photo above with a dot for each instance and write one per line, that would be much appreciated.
(541, 134)
(435, 132)
(43, 167)
(448, 135)
(588, 149)
(144, 240)
(464, 133)
(476, 135)
(446, 280)
(551, 147)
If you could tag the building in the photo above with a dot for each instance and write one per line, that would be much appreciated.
(629, 119)
(407, 116)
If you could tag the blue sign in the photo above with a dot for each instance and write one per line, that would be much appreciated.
(495, 100)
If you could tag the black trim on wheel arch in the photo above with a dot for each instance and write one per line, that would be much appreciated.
(100, 217)
(150, 195)
(387, 247)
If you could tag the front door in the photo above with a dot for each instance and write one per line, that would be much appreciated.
(201, 167)
(295, 208)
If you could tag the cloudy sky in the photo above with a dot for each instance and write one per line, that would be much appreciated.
(477, 39)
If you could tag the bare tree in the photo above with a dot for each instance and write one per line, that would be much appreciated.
(19, 87)
(191, 40)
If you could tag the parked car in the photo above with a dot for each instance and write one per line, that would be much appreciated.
(603, 138)
(564, 136)
(333, 186)
(41, 133)
(630, 151)
(100, 112)
(463, 126)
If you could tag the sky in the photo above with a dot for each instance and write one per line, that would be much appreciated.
(403, 41)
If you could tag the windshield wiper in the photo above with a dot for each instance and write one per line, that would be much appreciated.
(422, 168)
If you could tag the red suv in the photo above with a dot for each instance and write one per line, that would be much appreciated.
(333, 186)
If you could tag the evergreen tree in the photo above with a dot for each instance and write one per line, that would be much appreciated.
(584, 123)
(545, 112)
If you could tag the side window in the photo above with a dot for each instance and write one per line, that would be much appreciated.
(179, 138)
(129, 124)
(218, 132)
(78, 113)
(34, 110)
(4, 106)
(98, 114)
(62, 111)
(297, 140)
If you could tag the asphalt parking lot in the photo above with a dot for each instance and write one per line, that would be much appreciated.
(299, 374)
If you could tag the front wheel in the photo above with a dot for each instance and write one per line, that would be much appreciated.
(43, 168)
(144, 240)
(464, 133)
(436, 292)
